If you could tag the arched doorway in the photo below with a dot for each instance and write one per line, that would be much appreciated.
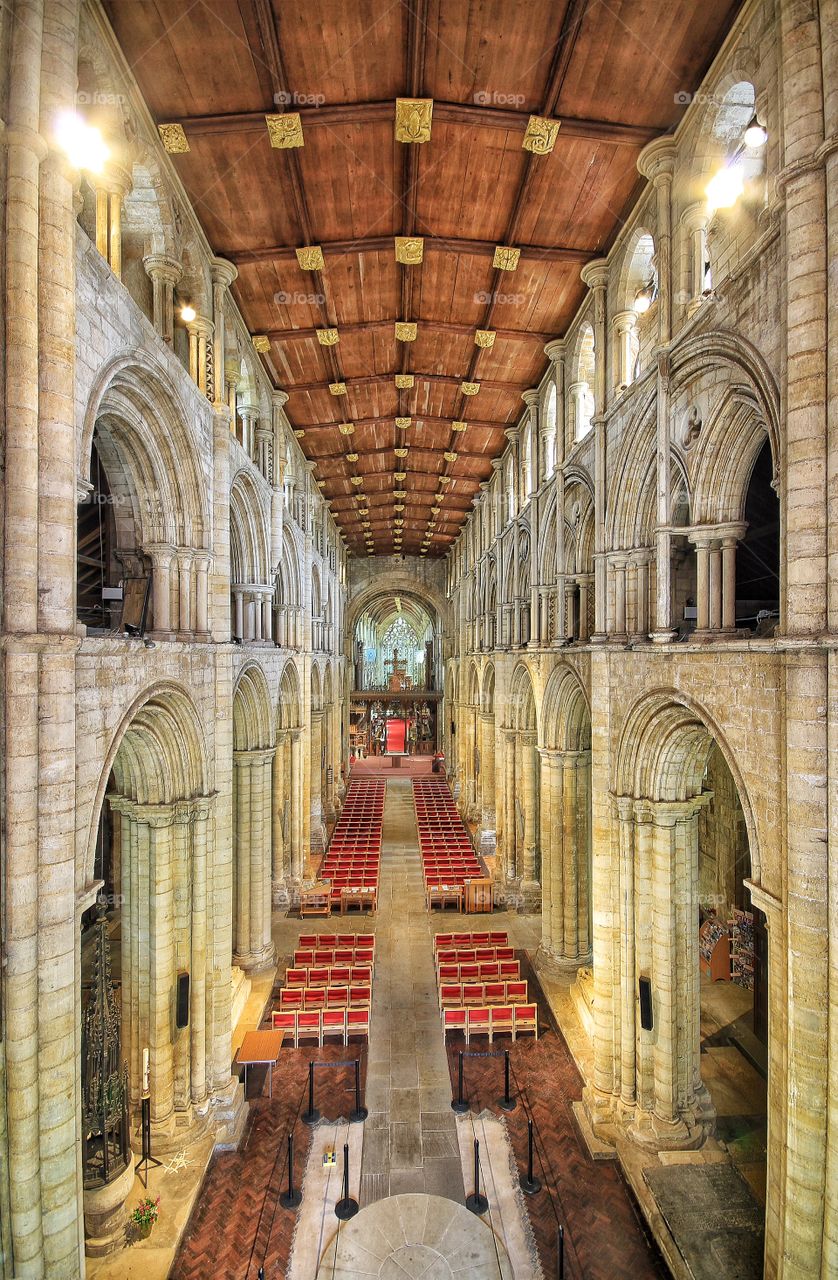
(153, 853)
(680, 861)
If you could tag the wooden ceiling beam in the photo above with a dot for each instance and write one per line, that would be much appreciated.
(462, 455)
(432, 244)
(468, 114)
(370, 379)
(433, 326)
(425, 418)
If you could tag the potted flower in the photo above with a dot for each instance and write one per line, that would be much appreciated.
(144, 1216)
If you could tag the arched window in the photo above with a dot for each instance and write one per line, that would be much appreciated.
(581, 389)
(511, 505)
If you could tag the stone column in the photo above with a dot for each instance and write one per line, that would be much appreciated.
(510, 821)
(694, 222)
(199, 966)
(531, 399)
(663, 632)
(200, 338)
(595, 276)
(223, 274)
(702, 541)
(715, 586)
(487, 834)
(161, 588)
(640, 629)
(202, 566)
(316, 788)
(164, 274)
(625, 325)
(620, 629)
(184, 564)
(253, 948)
(530, 885)
(279, 865)
(156, 842)
(297, 806)
(549, 811)
(657, 163)
(628, 972)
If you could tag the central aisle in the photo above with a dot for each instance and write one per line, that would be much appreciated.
(410, 1141)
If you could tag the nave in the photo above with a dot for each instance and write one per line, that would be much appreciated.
(410, 1137)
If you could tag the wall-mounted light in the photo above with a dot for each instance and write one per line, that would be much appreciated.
(82, 143)
(187, 314)
(756, 135)
(725, 187)
(644, 297)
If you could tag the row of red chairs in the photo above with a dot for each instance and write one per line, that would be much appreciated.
(447, 941)
(338, 975)
(353, 858)
(359, 997)
(454, 994)
(448, 859)
(305, 957)
(330, 940)
(318, 1024)
(492, 1020)
(488, 971)
(474, 955)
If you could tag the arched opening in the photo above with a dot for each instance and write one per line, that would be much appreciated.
(695, 1057)
(396, 649)
(152, 852)
(99, 573)
(250, 587)
(758, 552)
(581, 389)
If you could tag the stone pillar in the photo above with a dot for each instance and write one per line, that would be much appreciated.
(298, 806)
(625, 325)
(202, 567)
(316, 787)
(487, 832)
(111, 188)
(184, 564)
(694, 222)
(510, 820)
(162, 558)
(223, 274)
(620, 629)
(279, 833)
(253, 947)
(657, 163)
(729, 582)
(200, 347)
(702, 542)
(715, 586)
(549, 811)
(530, 884)
(595, 276)
(164, 274)
(663, 632)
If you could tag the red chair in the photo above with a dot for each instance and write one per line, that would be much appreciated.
(473, 993)
(361, 973)
(357, 1023)
(314, 998)
(340, 975)
(504, 953)
(307, 940)
(498, 939)
(509, 968)
(359, 997)
(470, 972)
(318, 977)
(488, 970)
(333, 1023)
(480, 940)
(495, 992)
(344, 955)
(303, 958)
(450, 995)
(516, 992)
(453, 1020)
(329, 940)
(308, 1026)
(526, 1019)
(285, 1020)
(291, 998)
(296, 977)
(449, 972)
(502, 1020)
(337, 997)
(477, 1022)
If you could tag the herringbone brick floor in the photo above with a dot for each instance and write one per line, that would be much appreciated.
(605, 1237)
(237, 1224)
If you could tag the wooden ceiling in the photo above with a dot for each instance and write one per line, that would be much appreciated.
(611, 73)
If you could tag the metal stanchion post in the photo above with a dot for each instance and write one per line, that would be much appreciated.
(477, 1202)
(506, 1103)
(561, 1253)
(292, 1197)
(360, 1113)
(311, 1116)
(459, 1104)
(346, 1207)
(530, 1184)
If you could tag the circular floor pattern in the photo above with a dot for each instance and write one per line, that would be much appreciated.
(415, 1237)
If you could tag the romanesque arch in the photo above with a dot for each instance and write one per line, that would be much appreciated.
(250, 585)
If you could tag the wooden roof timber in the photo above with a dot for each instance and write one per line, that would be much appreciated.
(417, 418)
(431, 326)
(368, 379)
(468, 114)
(432, 244)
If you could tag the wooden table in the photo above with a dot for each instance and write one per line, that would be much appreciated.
(315, 902)
(361, 898)
(260, 1048)
(443, 895)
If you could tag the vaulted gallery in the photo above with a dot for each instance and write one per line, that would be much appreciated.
(418, 505)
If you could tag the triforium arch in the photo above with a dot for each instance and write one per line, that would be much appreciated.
(142, 502)
(647, 896)
(287, 808)
(520, 853)
(253, 754)
(250, 584)
(155, 854)
(565, 806)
